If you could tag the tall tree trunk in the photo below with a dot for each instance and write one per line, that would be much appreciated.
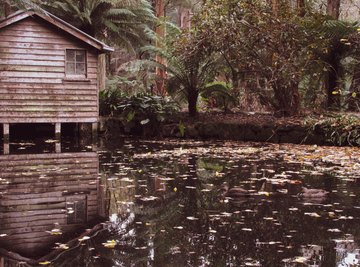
(7, 8)
(333, 59)
(102, 71)
(275, 6)
(333, 8)
(193, 95)
(331, 83)
(160, 32)
(185, 18)
(300, 5)
(354, 98)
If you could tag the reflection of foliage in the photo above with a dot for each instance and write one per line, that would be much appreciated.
(208, 169)
(193, 225)
(211, 165)
(339, 129)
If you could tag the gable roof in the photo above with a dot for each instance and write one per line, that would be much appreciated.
(59, 23)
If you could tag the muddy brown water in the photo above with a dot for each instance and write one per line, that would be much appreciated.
(159, 203)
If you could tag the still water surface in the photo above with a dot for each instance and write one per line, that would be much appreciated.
(159, 203)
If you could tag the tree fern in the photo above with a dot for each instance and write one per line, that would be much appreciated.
(123, 23)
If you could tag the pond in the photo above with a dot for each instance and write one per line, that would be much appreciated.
(161, 203)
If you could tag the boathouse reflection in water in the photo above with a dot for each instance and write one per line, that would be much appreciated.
(40, 193)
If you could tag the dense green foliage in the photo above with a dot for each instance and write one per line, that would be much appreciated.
(139, 111)
(126, 23)
(282, 57)
(339, 129)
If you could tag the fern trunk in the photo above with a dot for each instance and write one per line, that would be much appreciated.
(7, 8)
(333, 8)
(192, 102)
(331, 83)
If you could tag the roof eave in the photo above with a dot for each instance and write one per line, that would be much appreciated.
(61, 24)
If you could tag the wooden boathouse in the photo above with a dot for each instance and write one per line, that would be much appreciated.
(48, 71)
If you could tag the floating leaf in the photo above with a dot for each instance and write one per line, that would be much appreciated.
(312, 214)
(110, 244)
(300, 260)
(335, 230)
(62, 246)
(55, 232)
(84, 238)
(45, 263)
(143, 122)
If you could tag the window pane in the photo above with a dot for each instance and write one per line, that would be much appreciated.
(70, 55)
(80, 68)
(70, 68)
(80, 56)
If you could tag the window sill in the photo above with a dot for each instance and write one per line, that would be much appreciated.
(76, 80)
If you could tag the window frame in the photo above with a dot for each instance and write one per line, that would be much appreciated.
(74, 75)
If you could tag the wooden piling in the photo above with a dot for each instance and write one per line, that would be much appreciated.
(94, 131)
(58, 130)
(6, 132)
(6, 150)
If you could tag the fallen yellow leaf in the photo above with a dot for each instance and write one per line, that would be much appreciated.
(109, 244)
(44, 263)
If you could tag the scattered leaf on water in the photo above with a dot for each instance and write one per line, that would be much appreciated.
(55, 232)
(110, 244)
(61, 246)
(312, 214)
(335, 230)
(300, 260)
(84, 238)
(44, 262)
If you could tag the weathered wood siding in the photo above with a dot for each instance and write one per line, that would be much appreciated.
(35, 192)
(33, 87)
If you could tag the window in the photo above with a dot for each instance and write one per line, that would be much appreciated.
(76, 63)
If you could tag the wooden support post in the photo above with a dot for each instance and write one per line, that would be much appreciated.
(6, 132)
(94, 127)
(58, 147)
(6, 148)
(94, 131)
(58, 130)
(6, 138)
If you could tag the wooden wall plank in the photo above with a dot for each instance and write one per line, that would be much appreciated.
(30, 56)
(12, 50)
(44, 103)
(32, 61)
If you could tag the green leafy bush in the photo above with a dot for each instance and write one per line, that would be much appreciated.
(340, 129)
(139, 113)
(219, 94)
